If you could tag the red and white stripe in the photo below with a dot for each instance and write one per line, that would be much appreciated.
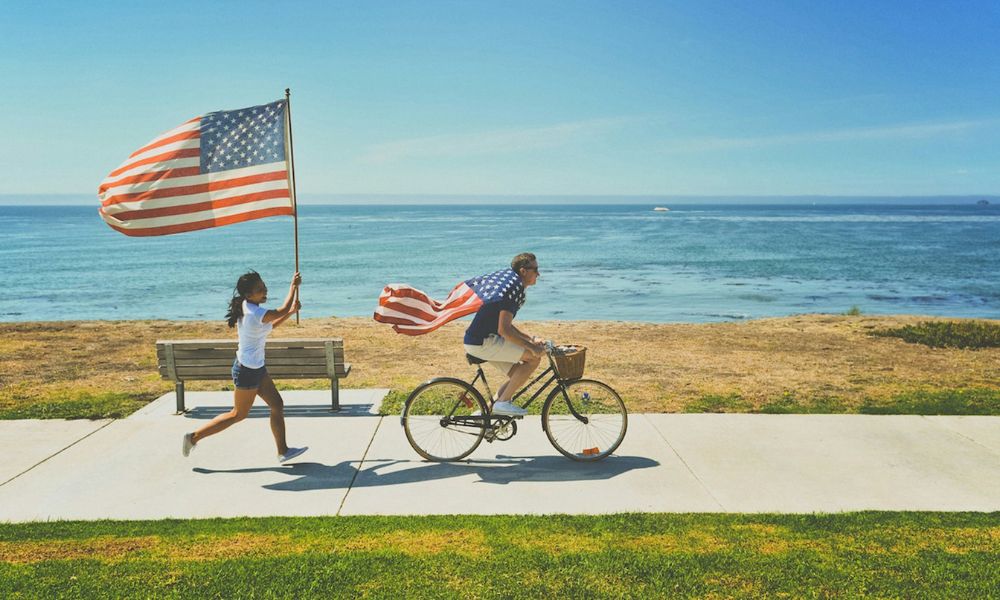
(160, 189)
(412, 312)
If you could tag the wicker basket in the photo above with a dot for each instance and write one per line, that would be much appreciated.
(570, 361)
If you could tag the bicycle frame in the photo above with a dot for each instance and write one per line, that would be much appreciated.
(549, 372)
(442, 407)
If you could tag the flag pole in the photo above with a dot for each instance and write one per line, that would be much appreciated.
(290, 159)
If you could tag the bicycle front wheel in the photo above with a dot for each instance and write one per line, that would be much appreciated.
(585, 420)
(445, 419)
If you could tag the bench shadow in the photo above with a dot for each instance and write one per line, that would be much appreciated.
(307, 476)
(291, 410)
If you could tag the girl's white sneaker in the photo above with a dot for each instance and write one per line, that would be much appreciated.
(291, 453)
(188, 444)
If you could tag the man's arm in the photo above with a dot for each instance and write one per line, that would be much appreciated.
(507, 330)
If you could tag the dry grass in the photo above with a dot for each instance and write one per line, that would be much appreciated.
(656, 367)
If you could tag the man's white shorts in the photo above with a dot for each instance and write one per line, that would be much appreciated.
(498, 352)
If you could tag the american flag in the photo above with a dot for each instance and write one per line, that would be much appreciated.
(217, 169)
(412, 312)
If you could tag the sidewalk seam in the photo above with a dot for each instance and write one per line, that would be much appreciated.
(53, 455)
(361, 463)
(935, 423)
(684, 462)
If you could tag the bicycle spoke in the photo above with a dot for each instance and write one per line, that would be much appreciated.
(601, 429)
(429, 420)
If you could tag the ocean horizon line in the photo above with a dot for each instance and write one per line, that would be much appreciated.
(721, 318)
(314, 199)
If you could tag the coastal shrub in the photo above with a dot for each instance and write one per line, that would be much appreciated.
(971, 401)
(854, 311)
(947, 334)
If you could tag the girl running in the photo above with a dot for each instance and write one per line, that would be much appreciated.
(253, 323)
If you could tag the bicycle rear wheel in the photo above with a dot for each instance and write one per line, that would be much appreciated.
(445, 419)
(588, 423)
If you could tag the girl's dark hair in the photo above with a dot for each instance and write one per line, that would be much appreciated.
(244, 286)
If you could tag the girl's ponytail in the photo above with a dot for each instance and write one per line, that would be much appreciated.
(235, 311)
(245, 285)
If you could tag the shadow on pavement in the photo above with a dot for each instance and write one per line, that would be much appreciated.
(291, 410)
(507, 469)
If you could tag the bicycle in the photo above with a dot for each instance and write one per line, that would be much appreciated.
(446, 418)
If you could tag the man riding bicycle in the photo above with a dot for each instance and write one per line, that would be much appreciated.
(493, 337)
(446, 418)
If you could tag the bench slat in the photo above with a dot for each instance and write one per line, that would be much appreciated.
(196, 374)
(277, 372)
(271, 343)
(316, 361)
(181, 354)
(227, 363)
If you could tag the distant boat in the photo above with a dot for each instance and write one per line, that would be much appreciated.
(661, 209)
(980, 203)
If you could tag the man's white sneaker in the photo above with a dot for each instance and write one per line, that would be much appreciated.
(291, 453)
(508, 408)
(188, 444)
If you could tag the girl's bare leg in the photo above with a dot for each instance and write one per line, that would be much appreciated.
(242, 401)
(270, 394)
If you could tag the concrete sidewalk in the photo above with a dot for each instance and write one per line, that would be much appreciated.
(360, 463)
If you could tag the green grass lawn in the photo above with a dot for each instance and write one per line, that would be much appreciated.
(967, 401)
(107, 405)
(890, 555)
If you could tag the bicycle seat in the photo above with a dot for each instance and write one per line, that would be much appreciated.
(474, 360)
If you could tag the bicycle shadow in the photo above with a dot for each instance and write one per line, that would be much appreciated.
(387, 472)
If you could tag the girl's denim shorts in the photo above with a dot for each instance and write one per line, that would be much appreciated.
(246, 378)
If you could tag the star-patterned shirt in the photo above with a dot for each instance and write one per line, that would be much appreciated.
(501, 290)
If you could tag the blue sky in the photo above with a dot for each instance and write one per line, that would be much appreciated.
(523, 98)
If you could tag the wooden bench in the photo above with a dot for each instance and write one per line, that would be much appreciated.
(191, 360)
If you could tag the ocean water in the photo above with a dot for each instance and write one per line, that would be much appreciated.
(691, 264)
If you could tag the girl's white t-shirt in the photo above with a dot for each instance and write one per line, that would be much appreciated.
(253, 332)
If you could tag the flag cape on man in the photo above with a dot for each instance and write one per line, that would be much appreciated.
(412, 312)
(217, 169)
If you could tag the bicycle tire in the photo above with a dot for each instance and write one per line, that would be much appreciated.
(426, 424)
(606, 426)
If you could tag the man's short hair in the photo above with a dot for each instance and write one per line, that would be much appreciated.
(522, 260)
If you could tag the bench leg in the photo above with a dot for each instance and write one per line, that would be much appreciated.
(179, 392)
(335, 393)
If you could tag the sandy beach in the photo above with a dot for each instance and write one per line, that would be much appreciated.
(807, 363)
